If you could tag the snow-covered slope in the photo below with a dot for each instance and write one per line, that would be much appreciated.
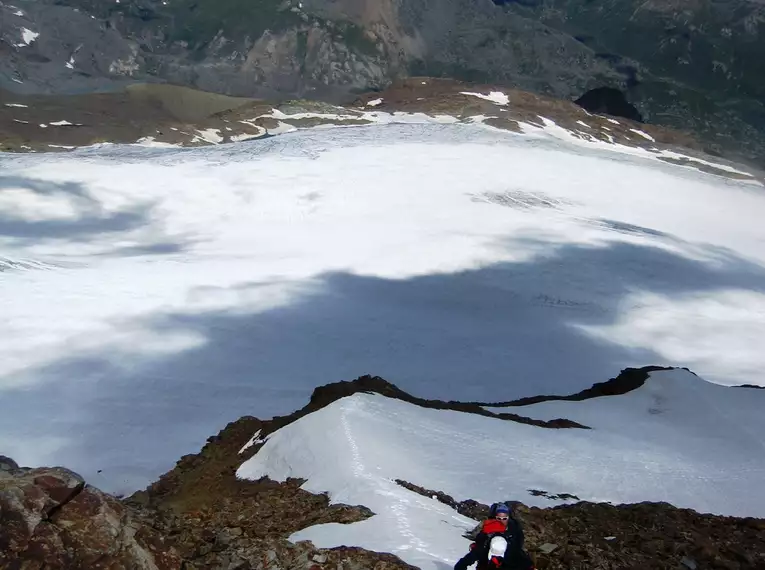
(677, 439)
(193, 287)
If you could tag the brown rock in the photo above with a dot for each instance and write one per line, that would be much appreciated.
(49, 518)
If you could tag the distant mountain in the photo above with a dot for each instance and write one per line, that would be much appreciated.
(688, 65)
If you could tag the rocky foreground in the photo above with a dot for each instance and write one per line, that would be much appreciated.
(199, 515)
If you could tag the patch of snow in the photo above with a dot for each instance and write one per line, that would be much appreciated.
(255, 439)
(382, 118)
(583, 124)
(552, 129)
(64, 123)
(151, 142)
(16, 80)
(70, 63)
(20, 121)
(643, 134)
(28, 36)
(615, 122)
(16, 105)
(280, 115)
(245, 137)
(210, 135)
(672, 440)
(43, 126)
(18, 13)
(496, 97)
(281, 128)
(676, 155)
(480, 118)
(173, 129)
(374, 102)
(61, 146)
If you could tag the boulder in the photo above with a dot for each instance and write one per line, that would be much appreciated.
(50, 518)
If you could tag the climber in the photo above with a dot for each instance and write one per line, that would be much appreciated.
(498, 544)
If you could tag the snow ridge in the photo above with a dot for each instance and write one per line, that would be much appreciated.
(673, 439)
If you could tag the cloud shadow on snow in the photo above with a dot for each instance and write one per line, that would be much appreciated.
(91, 222)
(491, 334)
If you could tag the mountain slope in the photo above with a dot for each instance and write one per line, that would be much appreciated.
(693, 67)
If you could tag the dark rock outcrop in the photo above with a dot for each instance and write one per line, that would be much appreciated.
(628, 380)
(609, 101)
(49, 518)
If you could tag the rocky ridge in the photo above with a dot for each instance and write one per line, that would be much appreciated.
(168, 116)
(200, 515)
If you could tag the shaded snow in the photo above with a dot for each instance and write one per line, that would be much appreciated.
(676, 439)
(225, 281)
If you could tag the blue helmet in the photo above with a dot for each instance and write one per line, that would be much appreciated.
(497, 508)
